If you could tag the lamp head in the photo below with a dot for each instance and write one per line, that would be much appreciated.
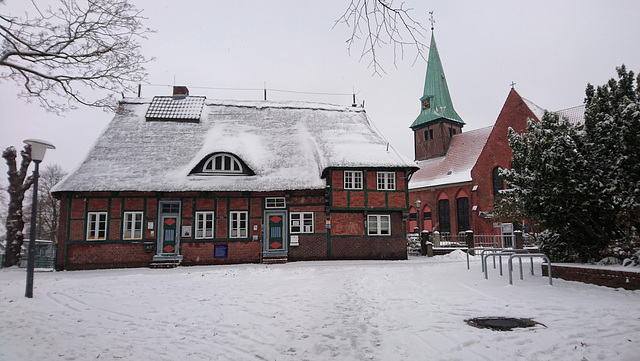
(38, 148)
(417, 203)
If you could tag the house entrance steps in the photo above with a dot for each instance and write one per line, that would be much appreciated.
(165, 261)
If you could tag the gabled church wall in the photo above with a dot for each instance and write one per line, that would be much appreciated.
(497, 153)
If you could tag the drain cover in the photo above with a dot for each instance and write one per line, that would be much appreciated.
(501, 323)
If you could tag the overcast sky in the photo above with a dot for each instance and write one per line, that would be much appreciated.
(550, 49)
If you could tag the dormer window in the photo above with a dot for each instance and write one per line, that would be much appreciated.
(222, 163)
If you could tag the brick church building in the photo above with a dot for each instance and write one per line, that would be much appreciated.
(458, 181)
(187, 180)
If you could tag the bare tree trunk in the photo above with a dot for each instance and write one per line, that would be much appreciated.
(18, 185)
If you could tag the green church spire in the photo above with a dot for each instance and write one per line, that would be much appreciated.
(436, 101)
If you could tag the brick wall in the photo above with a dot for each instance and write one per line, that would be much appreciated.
(115, 252)
(597, 276)
(202, 253)
(497, 153)
(347, 223)
(107, 255)
(429, 198)
(376, 200)
(312, 247)
(389, 248)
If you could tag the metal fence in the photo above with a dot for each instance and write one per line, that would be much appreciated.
(45, 255)
(447, 240)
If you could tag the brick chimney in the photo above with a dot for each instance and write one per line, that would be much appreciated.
(180, 92)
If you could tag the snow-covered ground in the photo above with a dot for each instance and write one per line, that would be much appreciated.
(343, 310)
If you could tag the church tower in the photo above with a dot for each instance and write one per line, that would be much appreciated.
(438, 121)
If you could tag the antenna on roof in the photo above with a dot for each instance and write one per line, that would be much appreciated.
(265, 90)
(431, 19)
(353, 104)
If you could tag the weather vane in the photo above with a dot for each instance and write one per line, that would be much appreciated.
(431, 19)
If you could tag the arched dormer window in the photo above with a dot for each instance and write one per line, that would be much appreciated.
(223, 164)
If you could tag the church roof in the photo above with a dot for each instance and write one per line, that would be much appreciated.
(288, 145)
(454, 167)
(465, 149)
(575, 115)
(436, 92)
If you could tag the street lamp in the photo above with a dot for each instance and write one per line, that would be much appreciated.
(38, 148)
(418, 203)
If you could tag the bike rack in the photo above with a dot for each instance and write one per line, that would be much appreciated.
(488, 250)
(499, 255)
(473, 249)
(519, 256)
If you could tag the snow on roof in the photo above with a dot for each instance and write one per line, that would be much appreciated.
(455, 166)
(287, 144)
(575, 115)
(537, 111)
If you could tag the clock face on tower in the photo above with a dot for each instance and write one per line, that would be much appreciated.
(426, 103)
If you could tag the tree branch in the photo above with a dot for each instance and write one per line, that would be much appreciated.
(383, 24)
(58, 53)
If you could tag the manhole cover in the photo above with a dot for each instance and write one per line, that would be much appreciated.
(501, 323)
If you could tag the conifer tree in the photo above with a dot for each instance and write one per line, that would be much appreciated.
(582, 182)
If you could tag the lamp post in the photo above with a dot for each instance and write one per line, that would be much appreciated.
(38, 148)
(417, 204)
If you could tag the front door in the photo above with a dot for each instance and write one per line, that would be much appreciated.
(276, 234)
(168, 229)
(168, 235)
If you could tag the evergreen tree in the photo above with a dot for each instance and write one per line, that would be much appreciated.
(583, 182)
(612, 143)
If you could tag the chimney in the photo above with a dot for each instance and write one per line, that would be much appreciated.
(180, 92)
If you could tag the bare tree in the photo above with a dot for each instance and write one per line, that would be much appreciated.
(19, 183)
(79, 47)
(380, 23)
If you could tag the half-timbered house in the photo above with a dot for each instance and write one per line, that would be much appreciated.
(184, 179)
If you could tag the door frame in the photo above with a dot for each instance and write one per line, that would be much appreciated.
(159, 228)
(285, 232)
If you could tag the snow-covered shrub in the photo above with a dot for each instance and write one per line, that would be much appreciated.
(557, 249)
(413, 240)
(626, 250)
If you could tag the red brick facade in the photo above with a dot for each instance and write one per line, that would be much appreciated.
(496, 153)
(339, 224)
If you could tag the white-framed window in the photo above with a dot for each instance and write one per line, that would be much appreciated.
(132, 225)
(301, 222)
(386, 181)
(275, 202)
(379, 224)
(352, 179)
(204, 225)
(239, 224)
(96, 226)
(222, 163)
